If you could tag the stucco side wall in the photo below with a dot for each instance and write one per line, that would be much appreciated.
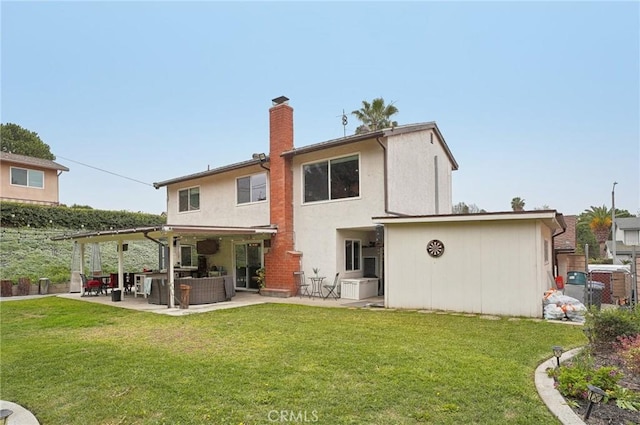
(491, 267)
(412, 183)
(218, 206)
(49, 194)
(316, 223)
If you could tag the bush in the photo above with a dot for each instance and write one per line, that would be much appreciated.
(628, 349)
(573, 379)
(609, 324)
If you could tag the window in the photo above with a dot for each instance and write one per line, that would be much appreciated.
(252, 188)
(189, 199)
(334, 179)
(352, 255)
(186, 255)
(29, 178)
(546, 251)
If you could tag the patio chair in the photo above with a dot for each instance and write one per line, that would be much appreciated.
(302, 287)
(113, 282)
(333, 288)
(89, 286)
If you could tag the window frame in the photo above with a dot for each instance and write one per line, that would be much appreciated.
(353, 264)
(29, 172)
(189, 203)
(328, 163)
(183, 249)
(252, 188)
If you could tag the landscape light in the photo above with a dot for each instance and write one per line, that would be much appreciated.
(4, 415)
(557, 351)
(594, 395)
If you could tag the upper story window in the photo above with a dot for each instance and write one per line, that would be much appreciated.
(352, 255)
(252, 188)
(29, 178)
(333, 179)
(189, 199)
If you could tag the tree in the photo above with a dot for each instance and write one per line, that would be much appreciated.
(375, 115)
(517, 204)
(462, 208)
(599, 219)
(585, 236)
(21, 141)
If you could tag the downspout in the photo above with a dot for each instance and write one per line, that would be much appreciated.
(555, 254)
(386, 185)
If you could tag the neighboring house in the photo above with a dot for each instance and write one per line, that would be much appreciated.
(321, 199)
(29, 180)
(627, 236)
(564, 245)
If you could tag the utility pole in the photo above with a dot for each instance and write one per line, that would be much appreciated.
(613, 222)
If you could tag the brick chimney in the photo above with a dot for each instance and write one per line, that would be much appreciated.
(281, 260)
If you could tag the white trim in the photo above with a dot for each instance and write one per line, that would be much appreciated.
(189, 199)
(27, 170)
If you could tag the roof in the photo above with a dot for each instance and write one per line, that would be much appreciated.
(628, 223)
(161, 232)
(552, 218)
(214, 171)
(566, 241)
(409, 128)
(393, 131)
(621, 248)
(32, 161)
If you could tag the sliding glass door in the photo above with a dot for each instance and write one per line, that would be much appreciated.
(248, 259)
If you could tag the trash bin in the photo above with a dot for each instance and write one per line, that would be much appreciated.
(184, 295)
(43, 285)
(116, 295)
(576, 278)
(594, 294)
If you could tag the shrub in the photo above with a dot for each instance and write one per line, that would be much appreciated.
(628, 349)
(573, 379)
(609, 324)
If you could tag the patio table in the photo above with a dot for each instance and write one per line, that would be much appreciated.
(316, 285)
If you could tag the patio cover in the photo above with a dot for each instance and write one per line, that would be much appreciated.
(160, 235)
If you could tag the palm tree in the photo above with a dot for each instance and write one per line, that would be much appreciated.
(599, 219)
(517, 204)
(375, 115)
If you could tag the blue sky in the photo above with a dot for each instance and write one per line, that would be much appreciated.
(539, 100)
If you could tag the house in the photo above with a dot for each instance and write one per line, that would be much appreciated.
(315, 203)
(627, 237)
(30, 180)
(488, 263)
(565, 247)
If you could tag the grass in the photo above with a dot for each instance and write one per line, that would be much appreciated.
(72, 362)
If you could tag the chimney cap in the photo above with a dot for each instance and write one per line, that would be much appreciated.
(280, 100)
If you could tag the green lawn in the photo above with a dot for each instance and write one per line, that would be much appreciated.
(73, 362)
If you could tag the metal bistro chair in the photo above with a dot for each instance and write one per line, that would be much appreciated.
(301, 284)
(334, 288)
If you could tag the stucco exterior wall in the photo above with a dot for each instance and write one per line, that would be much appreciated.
(489, 267)
(412, 183)
(317, 224)
(48, 195)
(218, 205)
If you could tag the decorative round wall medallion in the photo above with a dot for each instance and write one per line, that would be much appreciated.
(435, 248)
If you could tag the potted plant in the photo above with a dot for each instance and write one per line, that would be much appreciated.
(261, 273)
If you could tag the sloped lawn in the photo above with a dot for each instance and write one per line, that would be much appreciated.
(72, 362)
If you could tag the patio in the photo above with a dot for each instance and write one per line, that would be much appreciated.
(241, 299)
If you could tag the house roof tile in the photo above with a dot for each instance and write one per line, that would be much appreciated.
(567, 241)
(29, 160)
